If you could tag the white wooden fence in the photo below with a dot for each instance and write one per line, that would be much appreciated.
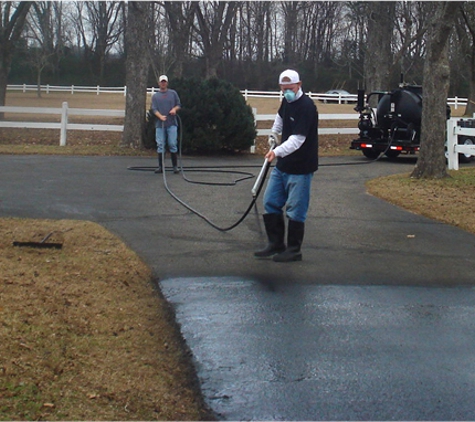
(64, 125)
(65, 112)
(72, 89)
(321, 130)
(453, 148)
(456, 102)
(453, 130)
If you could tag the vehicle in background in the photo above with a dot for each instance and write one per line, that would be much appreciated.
(394, 126)
(339, 96)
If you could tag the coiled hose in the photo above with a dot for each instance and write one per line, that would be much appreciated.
(220, 169)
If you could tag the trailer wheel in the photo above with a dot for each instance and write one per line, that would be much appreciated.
(465, 140)
(392, 154)
(369, 153)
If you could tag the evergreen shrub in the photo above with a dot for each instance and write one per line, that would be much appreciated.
(214, 116)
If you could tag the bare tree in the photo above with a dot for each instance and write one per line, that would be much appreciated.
(408, 41)
(214, 20)
(378, 57)
(12, 22)
(250, 32)
(180, 20)
(137, 64)
(99, 26)
(431, 162)
(250, 40)
(351, 29)
(291, 11)
(468, 13)
(159, 51)
(45, 30)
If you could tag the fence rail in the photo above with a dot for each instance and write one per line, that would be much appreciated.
(321, 130)
(453, 131)
(64, 125)
(453, 147)
(325, 98)
(65, 112)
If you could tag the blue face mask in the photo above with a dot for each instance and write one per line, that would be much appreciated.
(289, 95)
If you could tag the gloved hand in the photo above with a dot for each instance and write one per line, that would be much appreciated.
(273, 140)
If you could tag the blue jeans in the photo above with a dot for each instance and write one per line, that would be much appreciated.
(289, 190)
(162, 135)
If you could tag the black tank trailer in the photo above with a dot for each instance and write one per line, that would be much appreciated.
(394, 128)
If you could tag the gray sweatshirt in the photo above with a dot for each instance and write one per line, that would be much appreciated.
(163, 102)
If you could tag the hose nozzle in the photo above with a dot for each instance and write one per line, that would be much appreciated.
(265, 167)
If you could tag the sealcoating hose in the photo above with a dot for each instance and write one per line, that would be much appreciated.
(256, 190)
(216, 169)
(222, 229)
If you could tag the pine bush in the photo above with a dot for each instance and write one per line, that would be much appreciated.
(214, 116)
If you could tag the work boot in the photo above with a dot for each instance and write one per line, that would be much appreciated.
(275, 230)
(175, 162)
(160, 160)
(295, 235)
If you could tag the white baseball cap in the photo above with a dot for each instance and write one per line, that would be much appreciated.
(288, 77)
(163, 78)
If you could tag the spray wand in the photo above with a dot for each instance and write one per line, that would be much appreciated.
(265, 168)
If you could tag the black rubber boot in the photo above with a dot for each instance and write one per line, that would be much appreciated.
(159, 168)
(275, 230)
(295, 235)
(175, 162)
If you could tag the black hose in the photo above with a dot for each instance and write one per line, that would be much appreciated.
(216, 169)
(219, 169)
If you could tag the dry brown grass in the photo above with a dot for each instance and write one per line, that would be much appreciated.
(85, 335)
(450, 200)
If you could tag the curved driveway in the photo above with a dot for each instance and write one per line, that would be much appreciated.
(376, 323)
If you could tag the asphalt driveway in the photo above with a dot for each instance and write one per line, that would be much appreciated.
(376, 322)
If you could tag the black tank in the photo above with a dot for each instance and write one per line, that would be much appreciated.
(402, 107)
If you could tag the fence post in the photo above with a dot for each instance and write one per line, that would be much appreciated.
(98, 90)
(125, 90)
(64, 124)
(452, 155)
(252, 150)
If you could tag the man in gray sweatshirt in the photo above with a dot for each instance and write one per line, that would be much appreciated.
(165, 105)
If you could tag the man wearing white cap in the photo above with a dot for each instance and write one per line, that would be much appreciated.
(288, 188)
(165, 104)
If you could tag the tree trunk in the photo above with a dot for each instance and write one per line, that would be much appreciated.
(11, 28)
(378, 58)
(468, 14)
(436, 79)
(291, 10)
(470, 109)
(136, 40)
(180, 18)
(214, 22)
